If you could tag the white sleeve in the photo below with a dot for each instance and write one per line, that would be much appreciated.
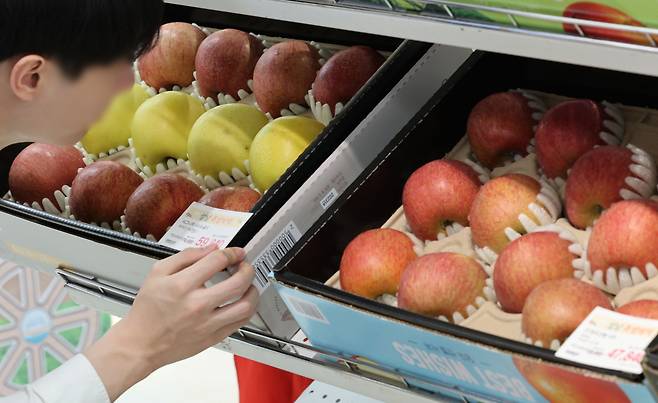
(76, 381)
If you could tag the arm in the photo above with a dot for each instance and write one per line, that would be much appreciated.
(174, 317)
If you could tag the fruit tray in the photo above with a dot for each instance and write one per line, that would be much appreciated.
(141, 155)
(103, 257)
(486, 337)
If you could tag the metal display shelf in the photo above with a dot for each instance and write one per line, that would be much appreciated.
(449, 29)
(298, 357)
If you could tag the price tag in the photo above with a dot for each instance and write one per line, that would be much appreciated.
(611, 340)
(203, 225)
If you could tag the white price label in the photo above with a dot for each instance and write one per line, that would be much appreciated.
(203, 225)
(611, 340)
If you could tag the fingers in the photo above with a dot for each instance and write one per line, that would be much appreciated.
(237, 313)
(181, 260)
(201, 271)
(233, 288)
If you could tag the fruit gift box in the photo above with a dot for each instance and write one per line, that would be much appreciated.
(175, 138)
(507, 238)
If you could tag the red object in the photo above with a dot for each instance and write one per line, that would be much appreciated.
(259, 383)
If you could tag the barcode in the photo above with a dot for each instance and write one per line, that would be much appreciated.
(276, 250)
(307, 309)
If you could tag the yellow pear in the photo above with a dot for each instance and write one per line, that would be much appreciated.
(113, 129)
(220, 139)
(161, 126)
(277, 146)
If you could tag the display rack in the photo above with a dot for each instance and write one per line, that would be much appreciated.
(448, 29)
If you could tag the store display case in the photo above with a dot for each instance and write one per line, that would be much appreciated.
(404, 341)
(323, 200)
(113, 264)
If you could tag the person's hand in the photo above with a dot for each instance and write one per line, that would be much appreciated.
(175, 316)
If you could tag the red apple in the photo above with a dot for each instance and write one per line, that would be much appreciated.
(567, 131)
(603, 176)
(555, 308)
(499, 125)
(284, 74)
(158, 202)
(586, 10)
(373, 262)
(557, 384)
(344, 74)
(442, 284)
(527, 262)
(438, 193)
(42, 169)
(239, 198)
(643, 308)
(498, 205)
(100, 191)
(171, 61)
(225, 62)
(625, 237)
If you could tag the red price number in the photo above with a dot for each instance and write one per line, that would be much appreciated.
(622, 354)
(201, 242)
(205, 241)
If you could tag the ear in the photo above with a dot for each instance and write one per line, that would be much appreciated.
(26, 75)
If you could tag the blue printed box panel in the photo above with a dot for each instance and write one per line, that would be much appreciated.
(479, 370)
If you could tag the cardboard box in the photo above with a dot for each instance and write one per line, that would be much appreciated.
(427, 352)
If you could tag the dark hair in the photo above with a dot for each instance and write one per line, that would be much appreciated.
(78, 33)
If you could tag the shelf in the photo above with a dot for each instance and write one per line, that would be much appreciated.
(450, 30)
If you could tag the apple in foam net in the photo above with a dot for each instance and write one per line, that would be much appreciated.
(557, 384)
(278, 145)
(284, 75)
(500, 125)
(221, 138)
(171, 61)
(238, 198)
(113, 129)
(442, 284)
(498, 205)
(343, 75)
(225, 62)
(555, 308)
(643, 308)
(373, 262)
(624, 237)
(161, 126)
(158, 202)
(42, 169)
(567, 131)
(599, 178)
(527, 262)
(100, 191)
(438, 193)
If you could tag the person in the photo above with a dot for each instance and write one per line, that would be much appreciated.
(61, 62)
